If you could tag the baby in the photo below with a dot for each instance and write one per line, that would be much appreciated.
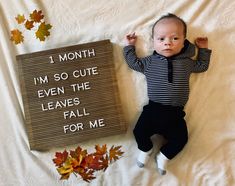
(167, 73)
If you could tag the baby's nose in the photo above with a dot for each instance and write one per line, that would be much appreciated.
(167, 41)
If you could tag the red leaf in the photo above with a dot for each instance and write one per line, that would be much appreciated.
(60, 158)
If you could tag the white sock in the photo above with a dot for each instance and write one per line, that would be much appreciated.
(143, 158)
(161, 163)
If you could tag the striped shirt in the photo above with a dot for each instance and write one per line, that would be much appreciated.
(168, 78)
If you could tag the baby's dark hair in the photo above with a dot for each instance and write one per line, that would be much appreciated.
(171, 16)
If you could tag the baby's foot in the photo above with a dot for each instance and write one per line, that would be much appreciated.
(161, 161)
(143, 158)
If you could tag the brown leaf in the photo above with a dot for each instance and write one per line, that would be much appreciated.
(16, 36)
(87, 175)
(20, 18)
(36, 16)
(29, 24)
(105, 162)
(42, 31)
(115, 153)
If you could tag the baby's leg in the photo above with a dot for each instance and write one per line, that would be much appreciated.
(142, 132)
(177, 137)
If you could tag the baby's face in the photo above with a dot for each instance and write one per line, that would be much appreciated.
(168, 37)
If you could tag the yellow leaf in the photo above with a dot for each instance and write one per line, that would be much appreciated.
(42, 31)
(115, 153)
(20, 18)
(16, 36)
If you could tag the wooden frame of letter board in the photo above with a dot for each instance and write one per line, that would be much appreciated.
(46, 128)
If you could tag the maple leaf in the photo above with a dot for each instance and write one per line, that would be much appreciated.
(36, 16)
(101, 150)
(29, 24)
(42, 31)
(105, 162)
(16, 36)
(60, 158)
(115, 153)
(20, 18)
(87, 175)
(65, 170)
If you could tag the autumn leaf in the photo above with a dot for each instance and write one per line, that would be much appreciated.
(20, 18)
(79, 162)
(78, 152)
(101, 150)
(65, 170)
(16, 36)
(60, 158)
(36, 16)
(35, 20)
(42, 31)
(87, 175)
(115, 153)
(29, 24)
(105, 162)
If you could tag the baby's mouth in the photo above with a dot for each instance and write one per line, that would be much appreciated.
(167, 50)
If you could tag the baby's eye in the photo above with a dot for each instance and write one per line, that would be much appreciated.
(175, 38)
(161, 38)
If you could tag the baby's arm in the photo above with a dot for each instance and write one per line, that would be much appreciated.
(134, 62)
(203, 58)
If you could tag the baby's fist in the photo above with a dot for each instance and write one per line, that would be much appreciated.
(202, 42)
(131, 39)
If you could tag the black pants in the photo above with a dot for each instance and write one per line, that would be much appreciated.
(167, 121)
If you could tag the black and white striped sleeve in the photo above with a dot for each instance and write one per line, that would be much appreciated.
(134, 62)
(203, 59)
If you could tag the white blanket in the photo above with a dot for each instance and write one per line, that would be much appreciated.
(208, 159)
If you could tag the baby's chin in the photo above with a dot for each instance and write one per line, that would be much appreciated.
(167, 54)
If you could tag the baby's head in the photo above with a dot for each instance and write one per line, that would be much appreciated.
(169, 33)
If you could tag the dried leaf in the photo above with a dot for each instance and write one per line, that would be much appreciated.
(65, 170)
(84, 164)
(16, 36)
(105, 162)
(20, 18)
(101, 150)
(29, 24)
(36, 16)
(60, 158)
(87, 175)
(115, 153)
(42, 31)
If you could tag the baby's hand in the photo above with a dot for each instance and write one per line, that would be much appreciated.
(202, 42)
(131, 39)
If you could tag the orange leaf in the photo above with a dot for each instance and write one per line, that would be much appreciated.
(115, 153)
(36, 16)
(20, 18)
(101, 150)
(16, 36)
(60, 158)
(29, 24)
(42, 31)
